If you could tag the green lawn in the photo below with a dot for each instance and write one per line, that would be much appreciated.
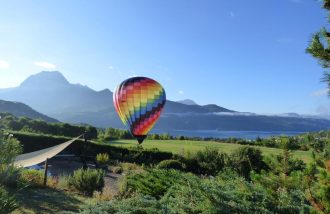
(181, 146)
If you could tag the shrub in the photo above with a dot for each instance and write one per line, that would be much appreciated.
(98, 208)
(87, 181)
(130, 166)
(9, 175)
(208, 161)
(32, 177)
(7, 202)
(285, 163)
(230, 193)
(286, 193)
(102, 159)
(139, 204)
(155, 182)
(170, 164)
(245, 159)
(9, 148)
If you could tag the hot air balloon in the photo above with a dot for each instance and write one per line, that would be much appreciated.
(139, 102)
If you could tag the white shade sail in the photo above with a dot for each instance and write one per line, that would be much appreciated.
(33, 158)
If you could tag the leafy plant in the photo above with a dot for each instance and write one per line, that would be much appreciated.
(130, 166)
(155, 182)
(246, 159)
(137, 204)
(9, 148)
(7, 202)
(102, 159)
(170, 164)
(87, 181)
(9, 175)
(209, 161)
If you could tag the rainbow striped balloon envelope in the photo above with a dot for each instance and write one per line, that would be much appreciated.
(139, 102)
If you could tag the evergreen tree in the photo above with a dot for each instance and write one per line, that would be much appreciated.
(319, 47)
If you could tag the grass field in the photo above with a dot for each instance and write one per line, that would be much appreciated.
(181, 146)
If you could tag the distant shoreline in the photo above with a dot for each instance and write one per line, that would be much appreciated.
(250, 135)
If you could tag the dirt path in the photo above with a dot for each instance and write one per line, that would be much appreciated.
(112, 181)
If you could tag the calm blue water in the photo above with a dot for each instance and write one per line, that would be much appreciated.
(227, 134)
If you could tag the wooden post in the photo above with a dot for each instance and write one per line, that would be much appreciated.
(46, 172)
(84, 151)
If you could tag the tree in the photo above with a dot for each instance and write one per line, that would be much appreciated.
(9, 148)
(319, 47)
(246, 159)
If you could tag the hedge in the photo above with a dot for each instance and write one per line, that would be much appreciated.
(33, 142)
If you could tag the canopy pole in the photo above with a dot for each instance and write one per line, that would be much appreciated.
(46, 172)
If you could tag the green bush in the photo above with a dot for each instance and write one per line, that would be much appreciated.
(87, 181)
(170, 164)
(102, 159)
(7, 202)
(155, 182)
(9, 175)
(246, 159)
(136, 205)
(130, 166)
(286, 193)
(230, 193)
(286, 163)
(207, 162)
(10, 147)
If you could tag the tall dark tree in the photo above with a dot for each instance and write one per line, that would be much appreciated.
(319, 47)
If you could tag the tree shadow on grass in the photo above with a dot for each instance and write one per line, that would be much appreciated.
(47, 200)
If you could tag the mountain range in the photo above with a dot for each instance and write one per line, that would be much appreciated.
(52, 94)
(187, 102)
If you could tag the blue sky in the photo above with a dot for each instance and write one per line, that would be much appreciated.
(242, 55)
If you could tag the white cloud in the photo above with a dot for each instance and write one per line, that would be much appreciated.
(4, 64)
(111, 67)
(45, 65)
(320, 93)
(181, 92)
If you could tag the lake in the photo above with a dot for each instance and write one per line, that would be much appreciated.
(227, 134)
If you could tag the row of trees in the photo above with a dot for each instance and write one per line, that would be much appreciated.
(300, 142)
(25, 124)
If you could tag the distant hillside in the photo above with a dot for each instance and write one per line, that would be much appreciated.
(20, 109)
(53, 95)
